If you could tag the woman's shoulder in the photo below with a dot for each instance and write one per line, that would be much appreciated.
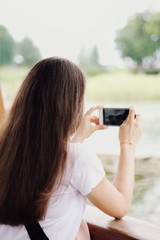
(75, 148)
(87, 170)
(78, 153)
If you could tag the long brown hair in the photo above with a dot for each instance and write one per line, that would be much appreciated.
(33, 142)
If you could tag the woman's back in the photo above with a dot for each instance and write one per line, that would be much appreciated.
(34, 138)
(66, 205)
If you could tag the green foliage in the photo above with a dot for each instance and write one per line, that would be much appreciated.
(139, 41)
(89, 61)
(6, 47)
(153, 27)
(29, 52)
(22, 53)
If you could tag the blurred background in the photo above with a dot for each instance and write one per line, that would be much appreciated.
(117, 44)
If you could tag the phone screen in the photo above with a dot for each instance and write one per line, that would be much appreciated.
(114, 116)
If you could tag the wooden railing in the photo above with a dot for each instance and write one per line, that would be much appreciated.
(103, 227)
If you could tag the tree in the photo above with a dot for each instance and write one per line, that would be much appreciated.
(136, 41)
(6, 46)
(153, 27)
(28, 51)
(89, 61)
(24, 52)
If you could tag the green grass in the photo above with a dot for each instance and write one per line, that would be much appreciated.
(10, 80)
(117, 86)
(12, 75)
(123, 86)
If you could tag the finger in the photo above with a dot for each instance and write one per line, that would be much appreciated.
(138, 121)
(94, 119)
(124, 122)
(131, 115)
(138, 118)
(99, 127)
(91, 110)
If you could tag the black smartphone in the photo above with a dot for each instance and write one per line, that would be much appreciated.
(113, 116)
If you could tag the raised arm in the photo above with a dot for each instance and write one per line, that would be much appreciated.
(115, 198)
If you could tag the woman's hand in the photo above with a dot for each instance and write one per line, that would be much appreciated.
(130, 131)
(88, 125)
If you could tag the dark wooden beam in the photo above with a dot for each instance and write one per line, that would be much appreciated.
(103, 227)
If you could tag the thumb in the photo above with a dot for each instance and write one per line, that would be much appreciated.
(99, 127)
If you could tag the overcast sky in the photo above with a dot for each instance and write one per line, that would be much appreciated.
(61, 27)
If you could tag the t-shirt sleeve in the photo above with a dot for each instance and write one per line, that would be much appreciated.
(88, 171)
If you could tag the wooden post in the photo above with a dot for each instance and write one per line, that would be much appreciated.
(2, 109)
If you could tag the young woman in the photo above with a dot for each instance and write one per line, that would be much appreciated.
(46, 174)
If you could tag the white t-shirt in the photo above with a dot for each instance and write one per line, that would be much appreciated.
(66, 206)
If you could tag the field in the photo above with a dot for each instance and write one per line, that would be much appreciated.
(10, 80)
(124, 86)
(116, 86)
